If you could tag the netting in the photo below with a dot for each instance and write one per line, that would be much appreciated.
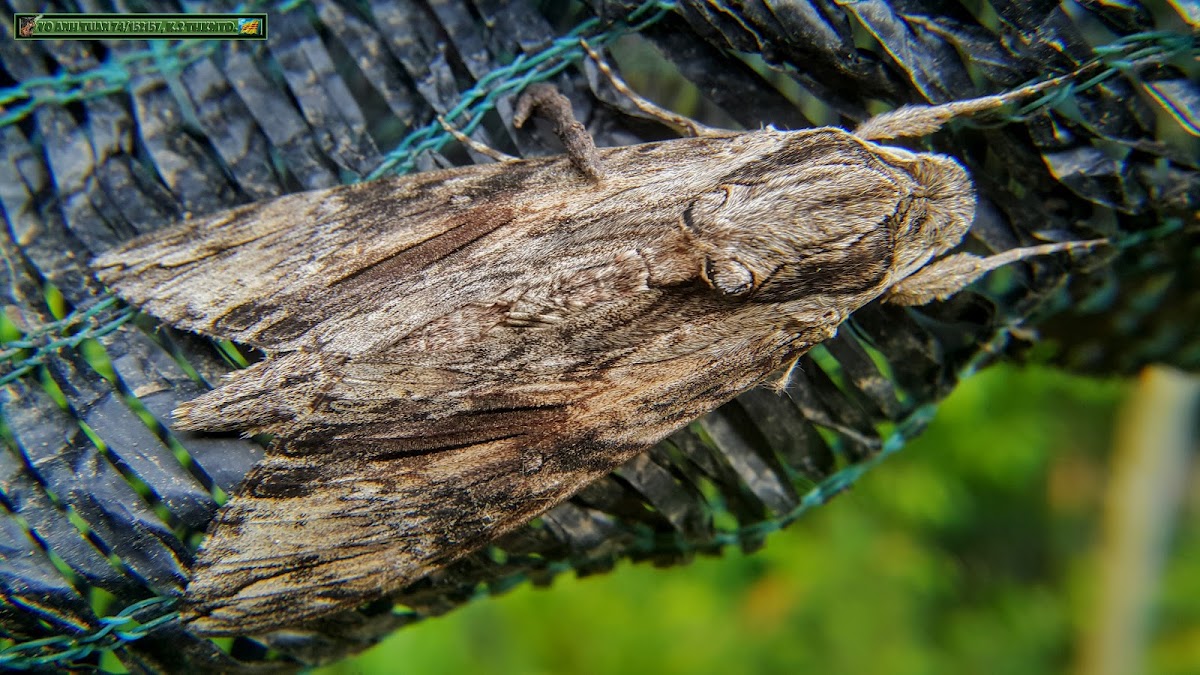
(102, 504)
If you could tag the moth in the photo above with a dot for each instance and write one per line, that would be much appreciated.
(452, 353)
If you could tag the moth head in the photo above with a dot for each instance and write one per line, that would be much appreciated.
(936, 215)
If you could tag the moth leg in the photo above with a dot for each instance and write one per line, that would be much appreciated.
(481, 148)
(553, 106)
(919, 120)
(946, 277)
(779, 384)
(684, 125)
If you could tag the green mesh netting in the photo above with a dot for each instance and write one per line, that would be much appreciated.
(102, 504)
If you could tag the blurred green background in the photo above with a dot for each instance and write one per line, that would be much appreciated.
(978, 549)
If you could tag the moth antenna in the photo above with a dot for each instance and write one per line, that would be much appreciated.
(921, 120)
(549, 103)
(946, 277)
(482, 148)
(685, 125)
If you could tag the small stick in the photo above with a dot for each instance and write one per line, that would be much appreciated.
(556, 108)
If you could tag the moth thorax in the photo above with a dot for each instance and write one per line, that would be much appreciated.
(776, 240)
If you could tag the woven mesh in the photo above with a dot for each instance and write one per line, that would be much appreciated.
(102, 505)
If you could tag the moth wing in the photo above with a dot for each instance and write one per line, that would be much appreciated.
(317, 534)
(241, 274)
(321, 528)
(368, 500)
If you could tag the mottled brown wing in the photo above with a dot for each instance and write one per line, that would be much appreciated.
(266, 274)
(353, 512)
(329, 528)
(243, 274)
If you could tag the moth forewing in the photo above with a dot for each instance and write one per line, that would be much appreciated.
(452, 353)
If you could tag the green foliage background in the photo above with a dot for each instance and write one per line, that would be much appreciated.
(973, 551)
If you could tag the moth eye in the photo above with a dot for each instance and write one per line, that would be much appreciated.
(730, 277)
